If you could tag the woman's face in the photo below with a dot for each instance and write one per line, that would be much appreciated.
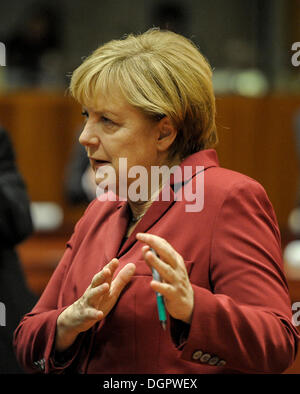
(116, 130)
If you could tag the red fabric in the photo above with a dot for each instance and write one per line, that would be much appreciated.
(242, 311)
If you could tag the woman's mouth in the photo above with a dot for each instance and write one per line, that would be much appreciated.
(96, 163)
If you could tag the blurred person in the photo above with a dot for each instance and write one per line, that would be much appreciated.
(294, 216)
(79, 180)
(38, 37)
(15, 226)
(149, 102)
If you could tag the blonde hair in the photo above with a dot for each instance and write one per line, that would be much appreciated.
(162, 74)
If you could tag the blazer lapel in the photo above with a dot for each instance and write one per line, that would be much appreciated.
(153, 214)
(117, 225)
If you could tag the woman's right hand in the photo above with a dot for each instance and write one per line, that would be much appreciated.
(96, 302)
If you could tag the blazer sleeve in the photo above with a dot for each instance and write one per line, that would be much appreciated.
(246, 320)
(34, 338)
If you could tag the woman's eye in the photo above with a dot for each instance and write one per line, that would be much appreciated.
(85, 113)
(103, 119)
(106, 120)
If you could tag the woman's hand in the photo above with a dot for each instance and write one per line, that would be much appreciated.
(175, 286)
(96, 302)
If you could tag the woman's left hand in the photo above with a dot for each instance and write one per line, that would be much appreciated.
(175, 285)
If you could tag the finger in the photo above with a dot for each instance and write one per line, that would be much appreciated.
(165, 289)
(122, 279)
(165, 251)
(166, 272)
(100, 277)
(105, 275)
(112, 266)
(97, 292)
(93, 314)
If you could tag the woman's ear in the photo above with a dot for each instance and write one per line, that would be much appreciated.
(166, 134)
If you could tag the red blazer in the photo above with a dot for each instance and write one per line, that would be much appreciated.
(242, 319)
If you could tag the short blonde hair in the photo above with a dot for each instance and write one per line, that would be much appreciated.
(162, 74)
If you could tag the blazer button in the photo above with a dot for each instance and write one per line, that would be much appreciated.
(205, 358)
(40, 364)
(197, 354)
(221, 363)
(213, 361)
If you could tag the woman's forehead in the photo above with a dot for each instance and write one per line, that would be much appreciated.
(105, 99)
(112, 102)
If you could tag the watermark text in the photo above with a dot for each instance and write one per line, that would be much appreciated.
(2, 54)
(296, 55)
(2, 314)
(137, 184)
(296, 315)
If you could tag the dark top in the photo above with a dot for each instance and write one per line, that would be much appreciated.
(15, 226)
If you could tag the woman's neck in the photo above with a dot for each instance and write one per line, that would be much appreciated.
(139, 208)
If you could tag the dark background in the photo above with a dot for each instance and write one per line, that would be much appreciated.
(232, 34)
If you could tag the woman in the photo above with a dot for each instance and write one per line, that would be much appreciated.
(149, 102)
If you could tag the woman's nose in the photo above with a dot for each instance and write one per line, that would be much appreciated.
(88, 138)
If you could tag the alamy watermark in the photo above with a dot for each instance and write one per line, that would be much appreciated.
(296, 315)
(2, 314)
(2, 54)
(296, 56)
(192, 177)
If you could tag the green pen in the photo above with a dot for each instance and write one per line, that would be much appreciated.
(159, 298)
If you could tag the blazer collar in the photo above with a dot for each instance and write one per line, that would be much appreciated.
(205, 159)
(118, 221)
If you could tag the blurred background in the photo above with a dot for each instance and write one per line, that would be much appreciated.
(249, 45)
